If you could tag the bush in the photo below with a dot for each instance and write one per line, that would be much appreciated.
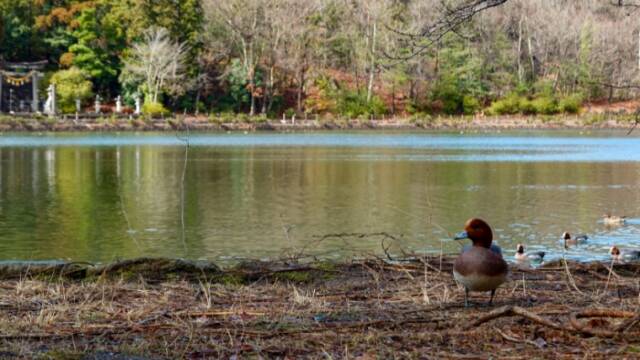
(507, 106)
(71, 84)
(154, 109)
(353, 104)
(470, 105)
(570, 104)
(545, 105)
(541, 105)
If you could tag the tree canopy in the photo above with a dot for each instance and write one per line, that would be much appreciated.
(346, 58)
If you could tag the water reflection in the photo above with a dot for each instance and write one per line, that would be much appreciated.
(264, 195)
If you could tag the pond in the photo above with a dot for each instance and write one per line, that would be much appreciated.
(102, 197)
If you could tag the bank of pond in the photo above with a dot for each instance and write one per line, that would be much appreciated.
(410, 307)
(93, 122)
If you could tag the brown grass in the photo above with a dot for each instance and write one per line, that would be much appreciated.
(367, 308)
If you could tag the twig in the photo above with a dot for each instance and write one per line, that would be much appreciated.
(511, 311)
(514, 339)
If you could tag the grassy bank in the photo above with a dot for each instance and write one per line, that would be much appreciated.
(419, 123)
(372, 308)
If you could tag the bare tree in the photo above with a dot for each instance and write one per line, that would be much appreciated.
(158, 62)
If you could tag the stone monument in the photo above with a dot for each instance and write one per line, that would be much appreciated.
(50, 104)
(138, 105)
(118, 104)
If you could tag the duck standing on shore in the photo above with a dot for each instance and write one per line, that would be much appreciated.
(536, 256)
(624, 255)
(479, 268)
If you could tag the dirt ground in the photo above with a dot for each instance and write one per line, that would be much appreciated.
(362, 309)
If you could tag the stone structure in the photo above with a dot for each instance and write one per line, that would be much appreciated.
(15, 77)
(138, 105)
(50, 104)
(118, 104)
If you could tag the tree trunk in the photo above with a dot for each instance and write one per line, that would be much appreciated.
(265, 94)
(300, 89)
(372, 66)
(520, 72)
(271, 86)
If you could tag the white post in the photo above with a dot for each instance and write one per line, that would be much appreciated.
(118, 105)
(138, 105)
(96, 105)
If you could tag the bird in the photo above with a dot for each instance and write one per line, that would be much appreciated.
(568, 240)
(529, 256)
(479, 268)
(624, 255)
(612, 220)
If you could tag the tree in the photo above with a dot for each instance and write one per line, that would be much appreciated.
(71, 85)
(158, 63)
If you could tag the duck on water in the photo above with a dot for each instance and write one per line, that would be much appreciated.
(481, 266)
(520, 255)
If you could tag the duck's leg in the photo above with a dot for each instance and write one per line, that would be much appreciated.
(493, 292)
(466, 297)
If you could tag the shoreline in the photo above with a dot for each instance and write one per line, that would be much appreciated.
(201, 124)
(410, 308)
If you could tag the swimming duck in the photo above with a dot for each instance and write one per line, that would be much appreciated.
(530, 256)
(479, 268)
(612, 220)
(568, 240)
(624, 254)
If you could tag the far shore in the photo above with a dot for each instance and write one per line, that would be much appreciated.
(28, 123)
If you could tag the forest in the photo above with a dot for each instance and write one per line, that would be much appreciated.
(342, 58)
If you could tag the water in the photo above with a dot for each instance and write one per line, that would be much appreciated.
(93, 197)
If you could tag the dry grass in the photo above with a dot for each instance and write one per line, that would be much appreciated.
(405, 309)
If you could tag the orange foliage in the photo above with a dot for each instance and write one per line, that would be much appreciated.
(62, 15)
(66, 60)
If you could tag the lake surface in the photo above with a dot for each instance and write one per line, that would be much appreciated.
(93, 197)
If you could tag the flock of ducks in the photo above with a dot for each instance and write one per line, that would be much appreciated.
(481, 267)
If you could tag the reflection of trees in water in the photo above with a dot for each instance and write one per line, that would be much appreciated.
(68, 202)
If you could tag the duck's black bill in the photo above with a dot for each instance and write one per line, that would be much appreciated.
(461, 235)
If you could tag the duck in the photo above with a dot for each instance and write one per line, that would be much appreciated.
(568, 240)
(612, 220)
(479, 268)
(624, 255)
(520, 255)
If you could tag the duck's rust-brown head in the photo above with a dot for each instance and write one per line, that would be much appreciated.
(520, 249)
(614, 251)
(478, 231)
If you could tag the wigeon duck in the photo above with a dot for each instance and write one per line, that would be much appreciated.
(624, 254)
(530, 256)
(479, 268)
(612, 220)
(568, 240)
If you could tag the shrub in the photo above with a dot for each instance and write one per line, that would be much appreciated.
(71, 84)
(289, 112)
(470, 105)
(545, 105)
(507, 106)
(154, 109)
(353, 104)
(570, 104)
